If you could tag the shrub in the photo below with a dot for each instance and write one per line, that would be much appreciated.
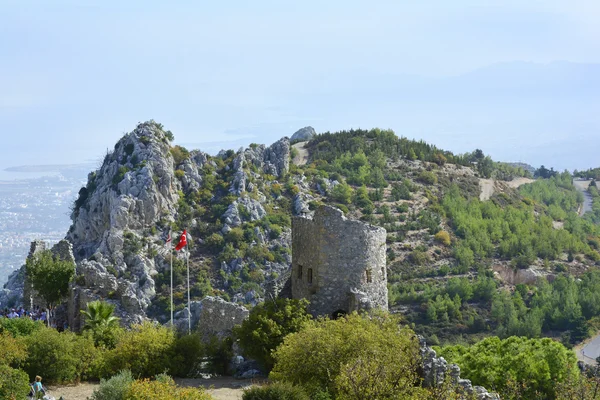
(146, 350)
(535, 364)
(428, 178)
(442, 237)
(12, 351)
(190, 350)
(19, 326)
(342, 193)
(114, 388)
(352, 358)
(267, 325)
(63, 357)
(418, 257)
(14, 383)
(120, 174)
(275, 391)
(163, 389)
(179, 174)
(215, 241)
(179, 154)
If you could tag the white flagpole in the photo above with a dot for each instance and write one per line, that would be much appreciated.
(188, 291)
(171, 251)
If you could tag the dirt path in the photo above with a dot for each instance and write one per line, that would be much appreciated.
(75, 392)
(302, 156)
(222, 388)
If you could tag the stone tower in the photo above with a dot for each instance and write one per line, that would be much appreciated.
(339, 265)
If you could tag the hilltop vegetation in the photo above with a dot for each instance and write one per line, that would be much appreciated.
(451, 256)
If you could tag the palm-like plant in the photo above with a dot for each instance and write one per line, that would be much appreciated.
(99, 316)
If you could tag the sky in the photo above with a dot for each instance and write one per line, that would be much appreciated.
(75, 75)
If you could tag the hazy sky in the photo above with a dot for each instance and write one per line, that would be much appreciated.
(75, 75)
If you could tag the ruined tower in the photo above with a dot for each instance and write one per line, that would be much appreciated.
(338, 264)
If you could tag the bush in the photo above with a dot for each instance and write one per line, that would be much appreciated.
(114, 388)
(190, 350)
(14, 383)
(537, 365)
(146, 350)
(428, 178)
(179, 154)
(352, 358)
(19, 326)
(275, 391)
(442, 237)
(267, 325)
(342, 193)
(62, 357)
(12, 351)
(179, 174)
(163, 389)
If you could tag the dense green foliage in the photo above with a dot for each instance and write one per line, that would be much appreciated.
(537, 365)
(19, 326)
(266, 327)
(353, 357)
(145, 350)
(14, 383)
(275, 391)
(101, 322)
(512, 232)
(50, 276)
(60, 357)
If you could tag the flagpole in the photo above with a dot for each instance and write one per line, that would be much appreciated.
(188, 291)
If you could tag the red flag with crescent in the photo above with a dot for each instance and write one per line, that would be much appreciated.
(182, 241)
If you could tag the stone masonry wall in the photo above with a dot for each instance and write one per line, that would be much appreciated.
(347, 261)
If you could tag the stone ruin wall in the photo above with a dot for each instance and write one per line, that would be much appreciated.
(347, 261)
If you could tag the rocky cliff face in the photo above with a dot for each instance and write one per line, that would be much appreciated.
(143, 188)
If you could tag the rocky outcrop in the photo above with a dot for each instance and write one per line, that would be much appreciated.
(273, 160)
(436, 370)
(304, 134)
(17, 291)
(130, 198)
(136, 195)
(527, 276)
(212, 316)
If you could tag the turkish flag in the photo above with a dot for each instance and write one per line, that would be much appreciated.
(182, 241)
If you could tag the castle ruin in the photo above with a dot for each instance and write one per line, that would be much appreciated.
(338, 264)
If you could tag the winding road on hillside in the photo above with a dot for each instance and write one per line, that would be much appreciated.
(589, 350)
(582, 186)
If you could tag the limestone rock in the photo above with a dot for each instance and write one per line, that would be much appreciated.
(300, 204)
(212, 316)
(304, 134)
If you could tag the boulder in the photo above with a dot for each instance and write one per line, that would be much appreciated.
(304, 134)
